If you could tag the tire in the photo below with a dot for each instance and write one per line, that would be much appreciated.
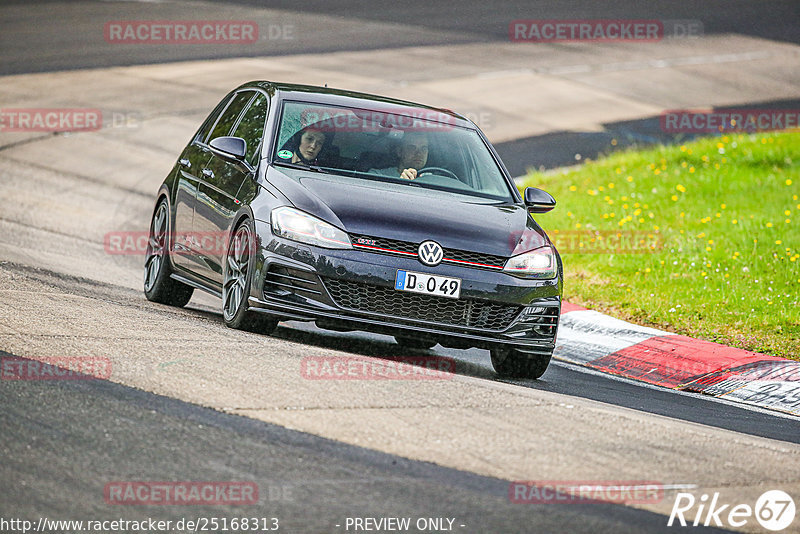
(237, 268)
(511, 363)
(413, 343)
(158, 286)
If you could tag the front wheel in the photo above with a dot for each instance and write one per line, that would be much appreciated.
(239, 264)
(158, 286)
(511, 363)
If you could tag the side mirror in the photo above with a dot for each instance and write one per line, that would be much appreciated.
(538, 201)
(233, 148)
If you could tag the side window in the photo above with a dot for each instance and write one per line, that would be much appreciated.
(228, 117)
(251, 127)
(211, 120)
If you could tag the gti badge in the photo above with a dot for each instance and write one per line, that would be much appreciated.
(430, 253)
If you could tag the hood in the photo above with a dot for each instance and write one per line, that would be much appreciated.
(397, 211)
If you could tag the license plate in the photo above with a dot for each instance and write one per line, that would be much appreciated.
(428, 284)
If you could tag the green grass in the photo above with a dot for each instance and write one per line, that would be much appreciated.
(717, 228)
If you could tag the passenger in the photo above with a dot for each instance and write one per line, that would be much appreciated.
(306, 145)
(413, 154)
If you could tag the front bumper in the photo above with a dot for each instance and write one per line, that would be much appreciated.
(354, 290)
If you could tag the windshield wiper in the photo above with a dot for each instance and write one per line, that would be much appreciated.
(298, 166)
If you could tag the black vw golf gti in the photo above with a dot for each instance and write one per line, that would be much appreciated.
(359, 213)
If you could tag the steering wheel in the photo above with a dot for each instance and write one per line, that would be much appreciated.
(438, 169)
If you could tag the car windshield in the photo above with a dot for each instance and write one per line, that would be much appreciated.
(372, 144)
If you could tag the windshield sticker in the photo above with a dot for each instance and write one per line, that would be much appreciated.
(285, 154)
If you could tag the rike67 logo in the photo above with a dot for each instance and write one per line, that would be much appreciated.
(774, 510)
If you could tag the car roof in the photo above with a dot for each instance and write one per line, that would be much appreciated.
(340, 97)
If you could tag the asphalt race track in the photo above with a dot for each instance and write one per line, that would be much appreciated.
(189, 400)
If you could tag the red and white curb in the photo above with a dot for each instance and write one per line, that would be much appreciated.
(592, 339)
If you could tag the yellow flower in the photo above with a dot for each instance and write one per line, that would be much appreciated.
(674, 198)
(723, 206)
(611, 185)
(788, 181)
(647, 270)
(769, 225)
(787, 221)
(573, 188)
(691, 169)
(778, 242)
(735, 221)
(629, 178)
(680, 188)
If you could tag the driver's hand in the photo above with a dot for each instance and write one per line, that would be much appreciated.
(409, 174)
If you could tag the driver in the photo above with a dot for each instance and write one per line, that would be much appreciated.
(413, 153)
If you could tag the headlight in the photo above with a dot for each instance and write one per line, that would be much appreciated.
(539, 263)
(296, 225)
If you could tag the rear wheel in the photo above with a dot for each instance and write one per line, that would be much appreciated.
(158, 286)
(239, 263)
(413, 343)
(511, 363)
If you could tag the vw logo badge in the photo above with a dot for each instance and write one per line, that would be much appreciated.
(430, 253)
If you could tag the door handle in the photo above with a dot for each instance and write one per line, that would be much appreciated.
(185, 162)
(208, 173)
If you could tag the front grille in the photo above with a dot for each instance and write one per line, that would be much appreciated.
(387, 301)
(394, 246)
